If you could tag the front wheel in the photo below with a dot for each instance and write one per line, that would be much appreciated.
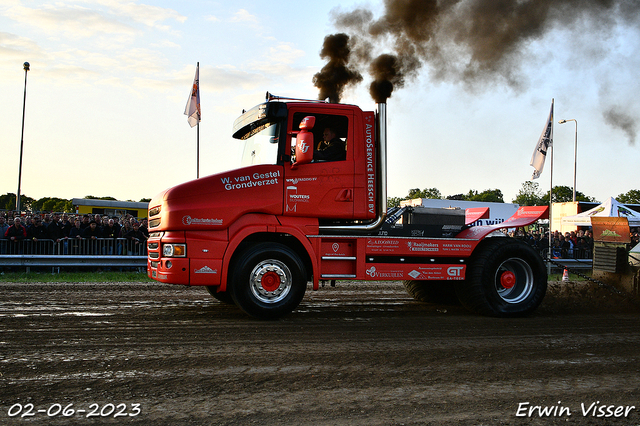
(268, 281)
(505, 278)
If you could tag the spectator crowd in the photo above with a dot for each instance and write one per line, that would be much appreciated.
(20, 233)
(572, 245)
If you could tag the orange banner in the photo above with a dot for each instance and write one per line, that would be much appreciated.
(611, 229)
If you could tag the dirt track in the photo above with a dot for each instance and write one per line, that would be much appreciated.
(357, 354)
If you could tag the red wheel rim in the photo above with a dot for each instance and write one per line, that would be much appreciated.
(270, 281)
(508, 279)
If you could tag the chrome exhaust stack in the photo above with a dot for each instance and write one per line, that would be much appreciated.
(381, 182)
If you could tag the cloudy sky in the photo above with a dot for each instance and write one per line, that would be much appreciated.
(109, 81)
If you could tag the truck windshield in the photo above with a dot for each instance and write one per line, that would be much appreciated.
(262, 147)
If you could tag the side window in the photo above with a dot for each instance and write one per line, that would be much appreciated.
(329, 136)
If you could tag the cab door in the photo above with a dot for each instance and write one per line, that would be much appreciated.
(322, 189)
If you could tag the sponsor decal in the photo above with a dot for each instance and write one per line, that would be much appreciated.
(188, 220)
(449, 273)
(205, 270)
(610, 233)
(383, 242)
(251, 181)
(456, 246)
(415, 246)
(414, 274)
(371, 175)
(374, 273)
(524, 211)
(294, 181)
(335, 249)
(383, 246)
(455, 271)
(371, 272)
(302, 146)
(293, 198)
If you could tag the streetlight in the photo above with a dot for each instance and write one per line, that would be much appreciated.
(575, 156)
(24, 103)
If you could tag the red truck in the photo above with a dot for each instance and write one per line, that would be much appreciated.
(257, 235)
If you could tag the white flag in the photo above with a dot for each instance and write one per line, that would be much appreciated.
(545, 143)
(193, 104)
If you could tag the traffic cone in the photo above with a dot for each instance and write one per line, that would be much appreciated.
(565, 275)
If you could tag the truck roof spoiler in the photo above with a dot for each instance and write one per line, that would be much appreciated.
(381, 183)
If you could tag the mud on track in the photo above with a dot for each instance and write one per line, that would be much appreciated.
(357, 354)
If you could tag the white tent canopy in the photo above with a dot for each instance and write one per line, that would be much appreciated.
(610, 208)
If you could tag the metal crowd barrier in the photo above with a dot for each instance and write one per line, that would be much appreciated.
(576, 259)
(74, 252)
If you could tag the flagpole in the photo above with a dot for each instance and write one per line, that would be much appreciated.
(198, 149)
(24, 105)
(198, 133)
(551, 192)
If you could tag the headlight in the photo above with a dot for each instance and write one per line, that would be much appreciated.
(174, 250)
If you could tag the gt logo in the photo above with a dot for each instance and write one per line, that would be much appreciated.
(455, 271)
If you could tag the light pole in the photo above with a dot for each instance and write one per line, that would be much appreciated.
(575, 155)
(24, 104)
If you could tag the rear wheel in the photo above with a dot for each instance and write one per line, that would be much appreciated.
(268, 281)
(222, 296)
(505, 278)
(438, 292)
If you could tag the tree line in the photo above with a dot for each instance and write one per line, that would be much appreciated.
(529, 194)
(46, 204)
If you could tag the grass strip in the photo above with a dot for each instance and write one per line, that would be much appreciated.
(73, 277)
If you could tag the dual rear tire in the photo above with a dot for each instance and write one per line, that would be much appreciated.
(505, 278)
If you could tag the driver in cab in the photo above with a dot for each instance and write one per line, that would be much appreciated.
(330, 148)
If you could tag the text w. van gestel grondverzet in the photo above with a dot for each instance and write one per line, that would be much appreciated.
(250, 181)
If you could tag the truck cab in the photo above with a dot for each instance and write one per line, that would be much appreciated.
(273, 184)
(324, 189)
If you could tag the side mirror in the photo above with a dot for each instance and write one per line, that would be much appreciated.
(304, 142)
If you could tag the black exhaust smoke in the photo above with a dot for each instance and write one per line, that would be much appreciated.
(336, 75)
(474, 43)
